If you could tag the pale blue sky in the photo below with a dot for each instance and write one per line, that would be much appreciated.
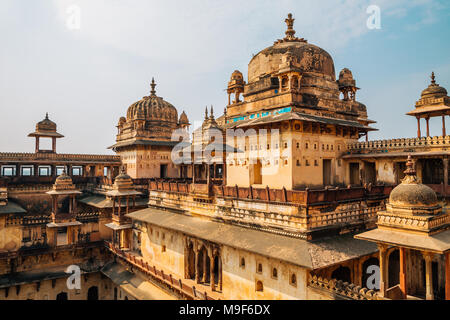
(87, 78)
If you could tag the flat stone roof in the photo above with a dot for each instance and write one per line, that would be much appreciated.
(101, 202)
(11, 207)
(139, 288)
(438, 243)
(308, 254)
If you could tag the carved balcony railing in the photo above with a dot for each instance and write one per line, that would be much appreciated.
(159, 274)
(295, 197)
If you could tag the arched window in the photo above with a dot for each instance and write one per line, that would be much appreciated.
(242, 262)
(293, 280)
(274, 273)
(259, 286)
(259, 268)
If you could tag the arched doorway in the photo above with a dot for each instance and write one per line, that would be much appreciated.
(394, 268)
(190, 261)
(62, 296)
(92, 293)
(366, 273)
(342, 273)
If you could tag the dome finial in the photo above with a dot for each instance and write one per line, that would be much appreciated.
(433, 79)
(206, 112)
(153, 85)
(46, 115)
(290, 32)
(410, 172)
(211, 116)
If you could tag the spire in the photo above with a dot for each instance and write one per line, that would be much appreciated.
(211, 116)
(153, 85)
(410, 172)
(433, 79)
(206, 113)
(290, 32)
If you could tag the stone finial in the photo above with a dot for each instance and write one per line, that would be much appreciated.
(211, 116)
(153, 85)
(433, 79)
(46, 116)
(290, 32)
(410, 172)
(206, 112)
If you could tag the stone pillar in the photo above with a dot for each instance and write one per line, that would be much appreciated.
(445, 161)
(204, 266)
(443, 126)
(211, 273)
(428, 256)
(403, 272)
(290, 82)
(54, 144)
(418, 127)
(428, 126)
(220, 273)
(447, 276)
(197, 274)
(280, 80)
(37, 145)
(383, 269)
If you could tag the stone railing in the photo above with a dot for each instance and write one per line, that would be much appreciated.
(159, 275)
(295, 197)
(401, 143)
(21, 156)
(340, 217)
(342, 289)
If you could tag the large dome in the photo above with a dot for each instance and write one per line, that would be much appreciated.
(308, 58)
(152, 108)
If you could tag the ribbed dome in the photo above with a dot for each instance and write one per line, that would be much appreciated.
(152, 108)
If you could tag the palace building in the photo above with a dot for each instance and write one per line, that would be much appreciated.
(277, 198)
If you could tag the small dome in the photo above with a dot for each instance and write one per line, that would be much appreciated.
(63, 183)
(123, 181)
(412, 194)
(46, 125)
(183, 118)
(434, 90)
(346, 78)
(237, 75)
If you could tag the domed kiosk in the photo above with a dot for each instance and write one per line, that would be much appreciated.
(144, 138)
(416, 226)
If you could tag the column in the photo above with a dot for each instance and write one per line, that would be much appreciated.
(445, 161)
(403, 283)
(37, 145)
(193, 172)
(204, 266)
(428, 126)
(197, 274)
(211, 273)
(447, 276)
(280, 80)
(383, 269)
(418, 127)
(54, 144)
(428, 275)
(443, 126)
(220, 273)
(290, 82)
